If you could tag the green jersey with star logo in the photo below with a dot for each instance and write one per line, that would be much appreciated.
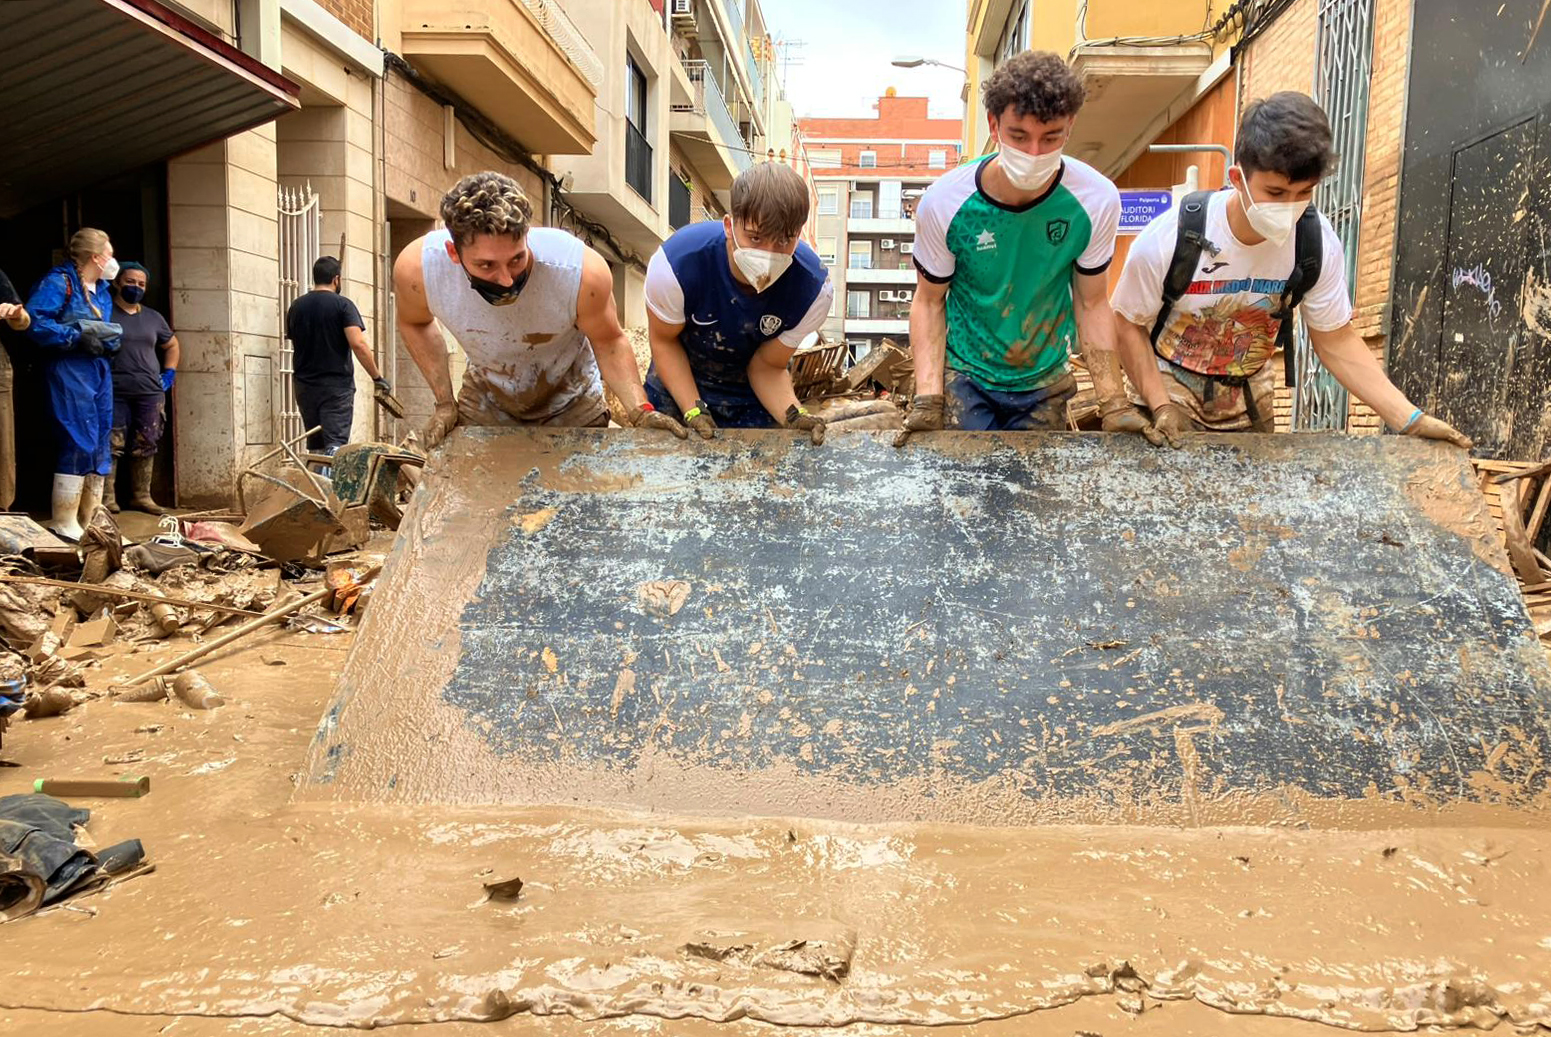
(1009, 269)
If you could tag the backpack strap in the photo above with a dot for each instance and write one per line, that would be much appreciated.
(1308, 257)
(1188, 244)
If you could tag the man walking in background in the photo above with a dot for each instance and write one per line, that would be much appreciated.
(325, 328)
(143, 372)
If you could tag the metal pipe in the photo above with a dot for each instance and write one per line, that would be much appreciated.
(1186, 149)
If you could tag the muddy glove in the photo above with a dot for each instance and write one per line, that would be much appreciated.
(925, 415)
(1122, 416)
(443, 421)
(1171, 422)
(95, 337)
(1424, 426)
(699, 418)
(802, 421)
(381, 385)
(647, 416)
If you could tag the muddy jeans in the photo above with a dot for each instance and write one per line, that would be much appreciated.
(975, 409)
(480, 403)
(1220, 408)
(143, 416)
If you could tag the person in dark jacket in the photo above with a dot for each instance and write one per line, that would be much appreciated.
(71, 311)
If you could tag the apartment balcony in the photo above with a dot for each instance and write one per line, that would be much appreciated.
(1133, 91)
(523, 63)
(904, 275)
(897, 225)
(877, 326)
(706, 131)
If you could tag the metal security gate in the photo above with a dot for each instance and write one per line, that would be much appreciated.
(1343, 65)
(301, 234)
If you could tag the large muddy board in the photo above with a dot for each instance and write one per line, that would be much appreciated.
(1010, 629)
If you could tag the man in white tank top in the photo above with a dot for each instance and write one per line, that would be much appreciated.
(533, 310)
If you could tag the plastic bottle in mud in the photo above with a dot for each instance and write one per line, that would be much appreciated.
(195, 691)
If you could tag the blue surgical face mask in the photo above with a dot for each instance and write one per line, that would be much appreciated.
(131, 293)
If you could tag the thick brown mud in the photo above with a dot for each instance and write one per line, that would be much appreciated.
(362, 916)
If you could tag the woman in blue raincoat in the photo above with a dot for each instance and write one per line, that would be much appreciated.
(71, 309)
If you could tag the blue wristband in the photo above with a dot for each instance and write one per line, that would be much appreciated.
(1416, 416)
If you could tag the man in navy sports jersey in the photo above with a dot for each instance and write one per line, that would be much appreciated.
(728, 304)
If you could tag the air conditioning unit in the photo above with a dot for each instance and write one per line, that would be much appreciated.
(886, 296)
(886, 243)
(905, 296)
(907, 247)
(684, 18)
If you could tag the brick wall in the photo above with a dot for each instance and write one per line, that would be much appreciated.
(355, 13)
(1381, 185)
(899, 118)
(1282, 58)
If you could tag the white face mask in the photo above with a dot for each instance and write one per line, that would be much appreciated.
(1028, 172)
(109, 269)
(760, 267)
(1273, 221)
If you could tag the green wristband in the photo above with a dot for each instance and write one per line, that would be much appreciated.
(692, 413)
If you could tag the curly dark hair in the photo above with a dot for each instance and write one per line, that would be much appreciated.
(485, 203)
(1036, 83)
(1285, 133)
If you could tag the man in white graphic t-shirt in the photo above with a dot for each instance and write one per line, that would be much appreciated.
(1214, 350)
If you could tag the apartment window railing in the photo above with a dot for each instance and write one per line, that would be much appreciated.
(710, 103)
(638, 162)
(568, 38)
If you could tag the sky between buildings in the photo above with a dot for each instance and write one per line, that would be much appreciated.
(844, 65)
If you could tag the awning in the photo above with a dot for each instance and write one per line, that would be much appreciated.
(92, 88)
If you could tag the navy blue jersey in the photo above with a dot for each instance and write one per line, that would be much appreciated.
(690, 282)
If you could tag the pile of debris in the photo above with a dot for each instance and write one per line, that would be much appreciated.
(1518, 494)
(870, 394)
(293, 556)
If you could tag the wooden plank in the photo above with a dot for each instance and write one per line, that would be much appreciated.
(1519, 550)
(1537, 517)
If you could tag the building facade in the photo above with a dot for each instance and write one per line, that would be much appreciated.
(868, 175)
(296, 128)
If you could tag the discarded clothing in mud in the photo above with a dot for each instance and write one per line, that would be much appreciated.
(37, 839)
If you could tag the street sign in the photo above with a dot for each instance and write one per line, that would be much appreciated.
(1139, 208)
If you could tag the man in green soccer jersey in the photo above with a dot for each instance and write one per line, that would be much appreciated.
(1010, 256)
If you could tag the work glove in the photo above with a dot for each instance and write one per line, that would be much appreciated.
(169, 375)
(1171, 423)
(647, 416)
(1122, 416)
(443, 421)
(98, 337)
(1428, 427)
(802, 421)
(699, 418)
(925, 415)
(381, 385)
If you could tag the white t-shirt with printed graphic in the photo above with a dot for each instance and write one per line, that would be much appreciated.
(1222, 324)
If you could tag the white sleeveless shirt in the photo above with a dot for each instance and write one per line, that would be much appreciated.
(527, 359)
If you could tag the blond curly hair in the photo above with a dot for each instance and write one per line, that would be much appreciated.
(485, 203)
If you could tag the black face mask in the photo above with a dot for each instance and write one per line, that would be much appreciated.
(131, 293)
(498, 294)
